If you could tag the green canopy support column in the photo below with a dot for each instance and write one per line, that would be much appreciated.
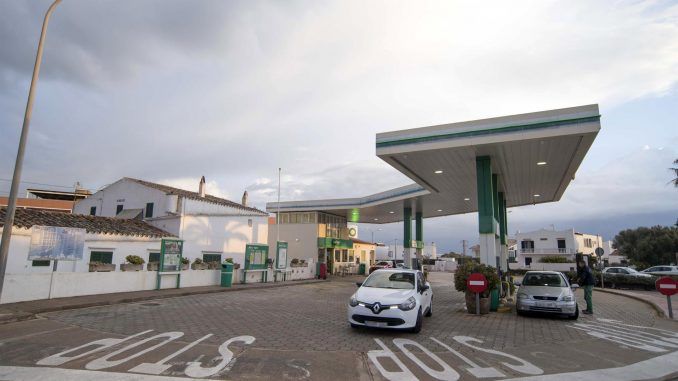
(407, 236)
(487, 224)
(502, 233)
(419, 235)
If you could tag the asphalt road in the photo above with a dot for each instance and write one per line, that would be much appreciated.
(301, 332)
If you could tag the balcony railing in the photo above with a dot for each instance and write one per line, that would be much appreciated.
(551, 250)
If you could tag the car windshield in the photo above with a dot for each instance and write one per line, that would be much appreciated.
(389, 279)
(631, 271)
(550, 280)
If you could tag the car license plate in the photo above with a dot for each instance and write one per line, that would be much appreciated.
(375, 323)
(546, 304)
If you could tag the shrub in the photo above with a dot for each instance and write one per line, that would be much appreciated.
(229, 260)
(468, 268)
(294, 261)
(184, 261)
(555, 259)
(197, 261)
(135, 260)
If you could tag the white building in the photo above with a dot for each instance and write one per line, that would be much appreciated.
(107, 240)
(532, 247)
(212, 228)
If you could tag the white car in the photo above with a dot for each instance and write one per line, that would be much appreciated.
(546, 292)
(661, 270)
(391, 298)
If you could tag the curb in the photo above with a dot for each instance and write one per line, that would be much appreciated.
(655, 306)
(16, 316)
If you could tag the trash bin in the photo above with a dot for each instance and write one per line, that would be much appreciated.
(494, 299)
(361, 269)
(226, 274)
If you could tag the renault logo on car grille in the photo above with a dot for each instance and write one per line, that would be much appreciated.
(376, 308)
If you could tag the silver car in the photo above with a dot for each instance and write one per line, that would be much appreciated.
(546, 292)
(661, 270)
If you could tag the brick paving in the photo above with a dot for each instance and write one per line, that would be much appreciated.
(312, 317)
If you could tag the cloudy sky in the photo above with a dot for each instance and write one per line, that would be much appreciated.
(169, 91)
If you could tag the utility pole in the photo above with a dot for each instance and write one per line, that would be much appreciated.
(463, 245)
(18, 164)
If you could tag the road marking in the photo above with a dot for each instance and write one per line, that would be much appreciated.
(634, 336)
(19, 373)
(654, 368)
(403, 374)
(195, 369)
(447, 374)
(161, 366)
(524, 367)
(475, 369)
(103, 362)
(59, 358)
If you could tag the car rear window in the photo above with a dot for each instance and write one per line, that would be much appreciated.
(550, 280)
(389, 279)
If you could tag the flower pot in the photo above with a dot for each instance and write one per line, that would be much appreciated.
(199, 266)
(184, 266)
(471, 303)
(130, 267)
(101, 267)
(236, 266)
(152, 266)
(214, 265)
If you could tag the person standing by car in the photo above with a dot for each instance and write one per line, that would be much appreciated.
(587, 281)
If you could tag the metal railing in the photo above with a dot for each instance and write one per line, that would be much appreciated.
(551, 250)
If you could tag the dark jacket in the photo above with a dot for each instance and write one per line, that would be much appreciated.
(585, 276)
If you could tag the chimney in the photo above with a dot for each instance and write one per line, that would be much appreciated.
(201, 187)
(244, 199)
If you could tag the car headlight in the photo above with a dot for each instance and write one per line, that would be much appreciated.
(409, 304)
(567, 298)
(353, 301)
(522, 295)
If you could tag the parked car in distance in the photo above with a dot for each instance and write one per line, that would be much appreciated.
(661, 270)
(381, 265)
(546, 292)
(624, 271)
(391, 298)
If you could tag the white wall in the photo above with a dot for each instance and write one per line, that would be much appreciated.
(130, 194)
(545, 266)
(302, 241)
(121, 246)
(225, 235)
(204, 207)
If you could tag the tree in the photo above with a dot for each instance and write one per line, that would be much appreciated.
(646, 247)
(675, 173)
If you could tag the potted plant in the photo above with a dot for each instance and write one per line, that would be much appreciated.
(198, 264)
(214, 265)
(184, 263)
(134, 263)
(294, 262)
(461, 276)
(101, 267)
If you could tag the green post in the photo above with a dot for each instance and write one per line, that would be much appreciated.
(419, 227)
(495, 197)
(407, 226)
(485, 195)
(502, 218)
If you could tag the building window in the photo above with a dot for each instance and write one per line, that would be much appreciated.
(527, 246)
(101, 257)
(337, 255)
(561, 245)
(118, 209)
(249, 222)
(587, 242)
(153, 257)
(207, 258)
(40, 263)
(528, 261)
(350, 256)
(344, 255)
(93, 211)
(149, 210)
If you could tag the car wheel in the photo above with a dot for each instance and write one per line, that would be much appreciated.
(429, 313)
(353, 325)
(576, 313)
(417, 325)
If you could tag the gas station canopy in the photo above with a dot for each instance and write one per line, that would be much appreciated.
(534, 156)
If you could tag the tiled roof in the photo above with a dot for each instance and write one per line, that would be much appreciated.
(359, 241)
(26, 218)
(196, 196)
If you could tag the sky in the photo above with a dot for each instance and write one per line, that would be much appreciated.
(171, 90)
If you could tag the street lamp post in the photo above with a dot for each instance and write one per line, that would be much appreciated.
(16, 179)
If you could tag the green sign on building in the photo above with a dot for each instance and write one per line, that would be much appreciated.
(281, 256)
(171, 251)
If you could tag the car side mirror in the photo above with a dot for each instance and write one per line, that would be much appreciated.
(425, 287)
(574, 286)
(516, 283)
(358, 284)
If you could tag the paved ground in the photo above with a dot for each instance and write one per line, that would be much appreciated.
(654, 297)
(301, 332)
